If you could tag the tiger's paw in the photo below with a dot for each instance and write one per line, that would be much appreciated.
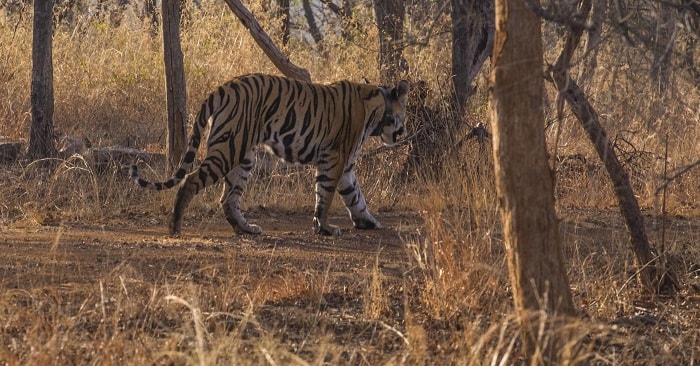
(173, 226)
(248, 229)
(328, 230)
(366, 223)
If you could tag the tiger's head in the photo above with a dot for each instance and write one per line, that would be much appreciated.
(391, 125)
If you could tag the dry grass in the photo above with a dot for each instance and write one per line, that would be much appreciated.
(443, 299)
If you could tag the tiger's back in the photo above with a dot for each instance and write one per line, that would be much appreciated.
(299, 122)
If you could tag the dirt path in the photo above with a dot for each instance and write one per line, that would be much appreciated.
(76, 291)
(80, 253)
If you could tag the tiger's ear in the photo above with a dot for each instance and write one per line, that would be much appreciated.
(401, 90)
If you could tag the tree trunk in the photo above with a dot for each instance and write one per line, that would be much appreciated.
(283, 15)
(41, 137)
(263, 40)
(313, 28)
(598, 15)
(586, 114)
(349, 23)
(688, 61)
(648, 274)
(390, 15)
(150, 12)
(523, 179)
(663, 47)
(174, 82)
(472, 43)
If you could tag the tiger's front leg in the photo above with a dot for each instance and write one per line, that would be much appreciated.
(326, 181)
(236, 181)
(354, 200)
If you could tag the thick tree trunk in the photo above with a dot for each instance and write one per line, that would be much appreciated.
(472, 43)
(263, 40)
(523, 179)
(41, 136)
(390, 15)
(174, 82)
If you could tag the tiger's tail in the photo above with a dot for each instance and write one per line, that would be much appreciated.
(187, 162)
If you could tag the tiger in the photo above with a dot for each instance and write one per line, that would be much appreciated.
(299, 122)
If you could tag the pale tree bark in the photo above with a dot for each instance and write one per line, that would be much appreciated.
(524, 182)
(263, 40)
(649, 275)
(41, 136)
(472, 43)
(390, 16)
(174, 82)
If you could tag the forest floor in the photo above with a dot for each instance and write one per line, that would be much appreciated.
(79, 253)
(307, 290)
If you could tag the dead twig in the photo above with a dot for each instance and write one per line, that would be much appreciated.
(678, 174)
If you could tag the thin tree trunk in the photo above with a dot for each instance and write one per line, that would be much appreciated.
(283, 15)
(349, 23)
(593, 39)
(150, 12)
(174, 82)
(663, 47)
(472, 43)
(313, 28)
(263, 40)
(390, 15)
(649, 276)
(524, 182)
(41, 136)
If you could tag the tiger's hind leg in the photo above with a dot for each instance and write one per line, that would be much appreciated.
(236, 181)
(207, 174)
(354, 200)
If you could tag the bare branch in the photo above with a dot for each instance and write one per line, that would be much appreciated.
(677, 175)
(280, 60)
(334, 8)
(570, 18)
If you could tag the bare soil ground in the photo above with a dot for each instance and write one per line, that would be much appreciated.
(309, 293)
(78, 254)
(305, 287)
